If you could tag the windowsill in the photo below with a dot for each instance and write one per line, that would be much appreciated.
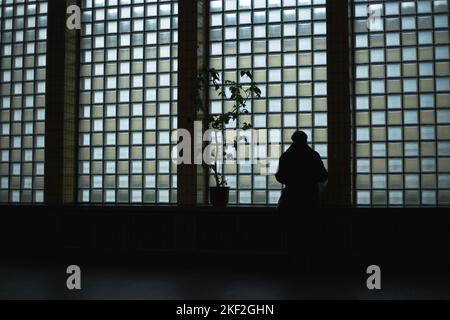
(152, 209)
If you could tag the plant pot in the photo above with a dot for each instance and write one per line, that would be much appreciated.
(219, 196)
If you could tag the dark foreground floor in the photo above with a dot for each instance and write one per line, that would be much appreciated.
(111, 280)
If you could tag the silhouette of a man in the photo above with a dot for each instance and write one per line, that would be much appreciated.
(300, 170)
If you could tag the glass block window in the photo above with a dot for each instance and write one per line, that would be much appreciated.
(23, 35)
(402, 103)
(128, 101)
(283, 44)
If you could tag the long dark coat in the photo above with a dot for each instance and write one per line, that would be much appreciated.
(300, 170)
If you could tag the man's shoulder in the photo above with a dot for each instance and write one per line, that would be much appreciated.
(315, 154)
(311, 150)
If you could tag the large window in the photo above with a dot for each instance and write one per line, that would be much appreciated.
(128, 101)
(283, 43)
(23, 34)
(128, 96)
(402, 103)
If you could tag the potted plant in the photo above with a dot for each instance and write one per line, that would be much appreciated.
(239, 94)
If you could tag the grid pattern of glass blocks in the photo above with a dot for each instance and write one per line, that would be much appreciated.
(128, 94)
(402, 103)
(283, 44)
(23, 35)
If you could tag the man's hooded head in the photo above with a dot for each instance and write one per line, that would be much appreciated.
(300, 138)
